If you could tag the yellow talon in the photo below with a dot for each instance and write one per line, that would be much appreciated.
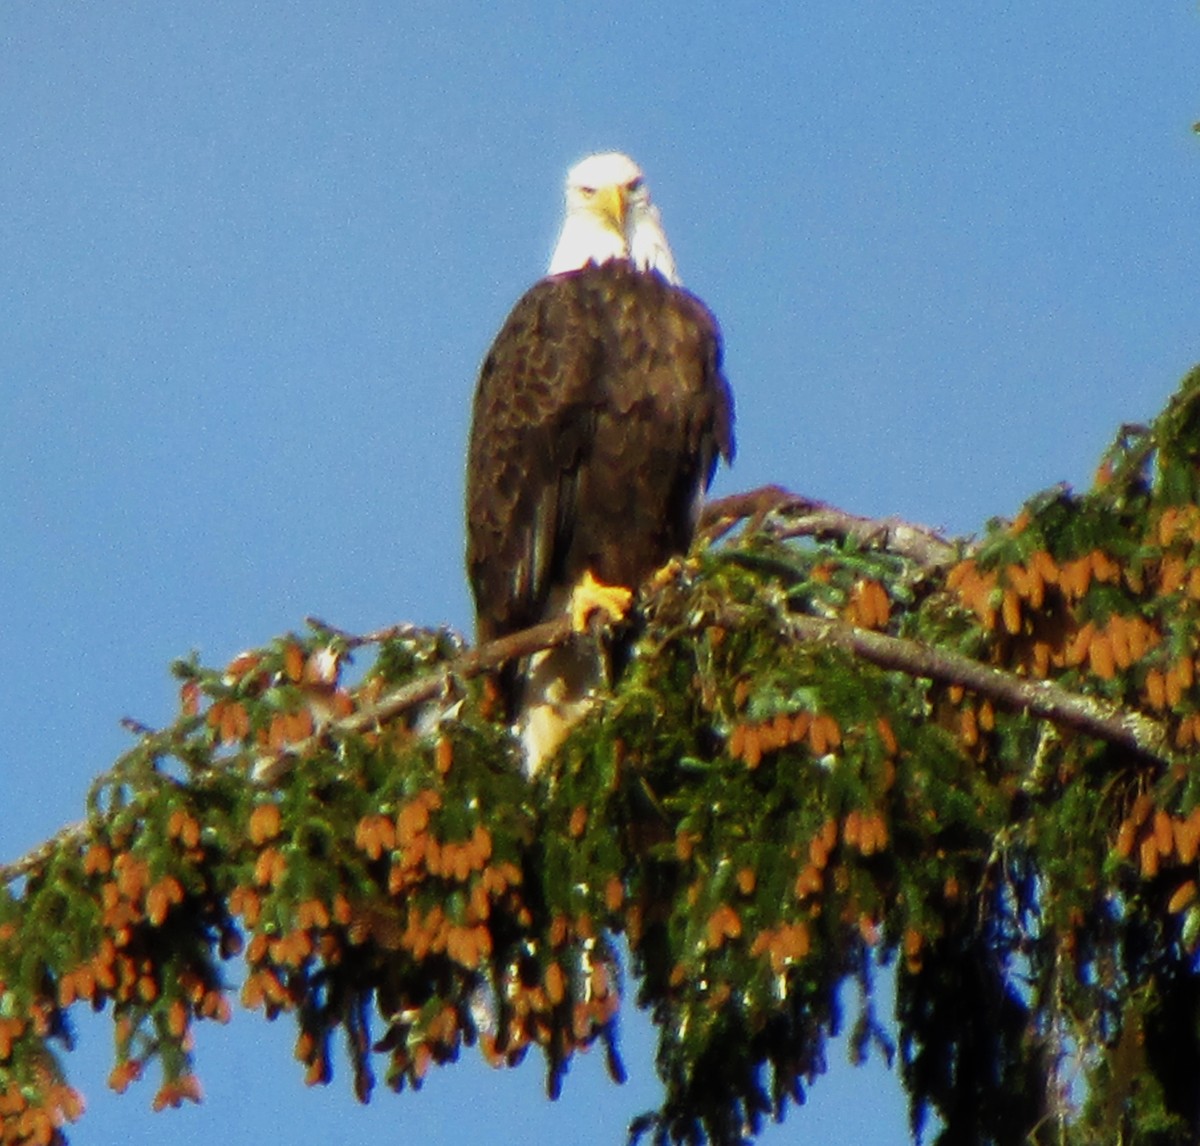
(591, 595)
(667, 573)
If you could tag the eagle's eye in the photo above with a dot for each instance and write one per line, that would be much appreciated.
(587, 192)
(635, 185)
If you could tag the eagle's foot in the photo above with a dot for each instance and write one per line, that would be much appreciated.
(673, 570)
(592, 596)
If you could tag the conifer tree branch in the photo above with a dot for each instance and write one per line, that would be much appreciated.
(269, 769)
(1042, 698)
(38, 856)
(486, 657)
(793, 515)
(399, 866)
(798, 516)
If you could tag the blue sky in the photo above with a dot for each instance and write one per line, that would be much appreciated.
(252, 254)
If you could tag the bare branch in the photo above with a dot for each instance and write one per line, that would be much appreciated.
(784, 514)
(1042, 698)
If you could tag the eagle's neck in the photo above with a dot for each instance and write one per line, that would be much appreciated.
(586, 239)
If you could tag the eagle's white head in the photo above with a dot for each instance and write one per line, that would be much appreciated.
(610, 216)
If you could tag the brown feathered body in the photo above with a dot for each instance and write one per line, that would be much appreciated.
(600, 414)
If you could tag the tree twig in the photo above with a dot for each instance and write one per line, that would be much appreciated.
(40, 855)
(376, 636)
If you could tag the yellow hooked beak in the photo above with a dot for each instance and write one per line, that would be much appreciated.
(611, 205)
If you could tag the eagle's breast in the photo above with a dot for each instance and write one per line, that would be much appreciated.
(598, 419)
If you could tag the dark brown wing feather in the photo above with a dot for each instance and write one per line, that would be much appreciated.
(598, 419)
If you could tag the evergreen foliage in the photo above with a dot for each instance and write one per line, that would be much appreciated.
(765, 817)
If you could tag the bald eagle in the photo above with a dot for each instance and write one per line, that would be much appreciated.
(599, 416)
